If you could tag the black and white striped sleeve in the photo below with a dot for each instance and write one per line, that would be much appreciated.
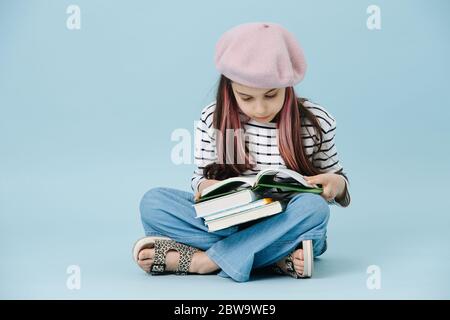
(326, 159)
(205, 147)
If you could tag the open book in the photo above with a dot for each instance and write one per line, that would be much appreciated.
(280, 179)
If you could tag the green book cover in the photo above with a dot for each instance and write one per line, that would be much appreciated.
(266, 180)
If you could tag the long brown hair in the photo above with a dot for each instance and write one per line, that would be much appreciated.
(289, 125)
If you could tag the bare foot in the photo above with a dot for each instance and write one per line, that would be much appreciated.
(200, 262)
(298, 261)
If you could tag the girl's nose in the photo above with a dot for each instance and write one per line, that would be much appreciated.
(260, 109)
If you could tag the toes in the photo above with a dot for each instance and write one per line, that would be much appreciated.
(146, 254)
(145, 264)
(299, 266)
(299, 270)
(299, 263)
(298, 254)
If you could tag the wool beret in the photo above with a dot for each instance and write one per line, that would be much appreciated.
(260, 55)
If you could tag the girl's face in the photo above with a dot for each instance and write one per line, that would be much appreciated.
(261, 105)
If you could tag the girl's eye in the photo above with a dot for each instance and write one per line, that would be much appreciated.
(269, 97)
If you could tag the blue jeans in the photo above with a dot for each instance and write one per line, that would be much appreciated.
(237, 249)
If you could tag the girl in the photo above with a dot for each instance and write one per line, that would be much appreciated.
(259, 65)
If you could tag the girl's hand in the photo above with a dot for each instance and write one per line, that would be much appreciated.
(333, 185)
(197, 196)
(203, 185)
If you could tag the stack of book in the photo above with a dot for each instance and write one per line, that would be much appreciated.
(241, 199)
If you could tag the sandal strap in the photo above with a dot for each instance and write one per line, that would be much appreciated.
(308, 260)
(161, 248)
(290, 269)
(186, 253)
(290, 266)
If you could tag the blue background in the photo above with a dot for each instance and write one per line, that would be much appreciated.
(86, 118)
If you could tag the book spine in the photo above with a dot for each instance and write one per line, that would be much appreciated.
(235, 210)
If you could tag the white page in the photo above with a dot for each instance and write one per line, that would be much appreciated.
(286, 173)
(247, 180)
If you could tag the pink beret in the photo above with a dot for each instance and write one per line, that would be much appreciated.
(260, 55)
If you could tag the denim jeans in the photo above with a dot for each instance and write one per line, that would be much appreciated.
(237, 250)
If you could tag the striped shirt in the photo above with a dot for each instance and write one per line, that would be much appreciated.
(261, 142)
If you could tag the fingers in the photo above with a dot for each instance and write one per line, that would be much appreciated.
(331, 195)
(317, 179)
(330, 182)
(329, 191)
(327, 196)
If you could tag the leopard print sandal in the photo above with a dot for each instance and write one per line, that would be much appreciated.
(308, 259)
(162, 246)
